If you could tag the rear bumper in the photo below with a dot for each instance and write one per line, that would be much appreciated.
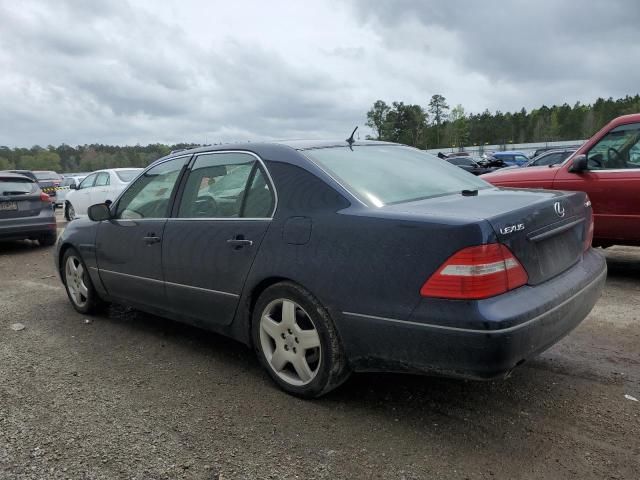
(481, 339)
(29, 227)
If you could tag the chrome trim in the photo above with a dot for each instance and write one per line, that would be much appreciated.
(200, 289)
(613, 170)
(264, 167)
(265, 219)
(128, 275)
(483, 332)
(153, 280)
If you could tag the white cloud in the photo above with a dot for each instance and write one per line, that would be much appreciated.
(195, 70)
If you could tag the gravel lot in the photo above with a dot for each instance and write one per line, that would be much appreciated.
(129, 395)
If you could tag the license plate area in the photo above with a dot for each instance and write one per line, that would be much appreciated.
(7, 206)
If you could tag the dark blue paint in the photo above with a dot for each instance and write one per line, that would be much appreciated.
(360, 260)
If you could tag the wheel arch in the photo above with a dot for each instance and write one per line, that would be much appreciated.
(245, 311)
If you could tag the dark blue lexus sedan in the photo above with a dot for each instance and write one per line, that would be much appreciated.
(331, 257)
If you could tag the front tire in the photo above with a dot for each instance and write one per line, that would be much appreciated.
(296, 341)
(77, 282)
(69, 212)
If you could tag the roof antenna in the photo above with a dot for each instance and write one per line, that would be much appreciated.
(350, 140)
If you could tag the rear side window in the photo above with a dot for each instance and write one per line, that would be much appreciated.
(226, 185)
(102, 179)
(127, 175)
(380, 175)
(16, 186)
(47, 175)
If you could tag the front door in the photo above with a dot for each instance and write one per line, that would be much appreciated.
(129, 246)
(612, 183)
(211, 240)
(81, 199)
(100, 189)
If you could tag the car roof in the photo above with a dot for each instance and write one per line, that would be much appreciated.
(259, 147)
(509, 152)
(5, 174)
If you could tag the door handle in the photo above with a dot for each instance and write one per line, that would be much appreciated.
(151, 238)
(239, 242)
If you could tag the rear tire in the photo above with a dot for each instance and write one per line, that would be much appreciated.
(296, 341)
(48, 240)
(77, 283)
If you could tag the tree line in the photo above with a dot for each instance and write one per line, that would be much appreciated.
(434, 126)
(83, 158)
(439, 126)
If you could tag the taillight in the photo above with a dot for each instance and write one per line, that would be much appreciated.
(45, 198)
(476, 272)
(589, 237)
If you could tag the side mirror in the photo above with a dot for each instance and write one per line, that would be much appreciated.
(579, 164)
(73, 186)
(99, 212)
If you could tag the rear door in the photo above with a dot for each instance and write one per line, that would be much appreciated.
(612, 183)
(222, 215)
(129, 246)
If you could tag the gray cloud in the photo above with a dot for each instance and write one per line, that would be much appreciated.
(120, 71)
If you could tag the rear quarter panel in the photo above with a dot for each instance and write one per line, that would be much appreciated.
(356, 259)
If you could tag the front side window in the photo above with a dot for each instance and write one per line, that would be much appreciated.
(149, 196)
(88, 182)
(461, 161)
(380, 175)
(618, 149)
(217, 187)
(102, 179)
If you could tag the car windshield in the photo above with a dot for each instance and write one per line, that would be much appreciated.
(15, 186)
(380, 175)
(128, 175)
(47, 175)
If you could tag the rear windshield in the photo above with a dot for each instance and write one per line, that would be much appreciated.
(127, 175)
(47, 175)
(385, 174)
(16, 186)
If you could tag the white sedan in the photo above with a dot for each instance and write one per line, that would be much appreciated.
(97, 187)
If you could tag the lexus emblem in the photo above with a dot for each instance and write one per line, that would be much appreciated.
(559, 209)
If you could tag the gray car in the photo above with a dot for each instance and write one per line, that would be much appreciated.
(26, 212)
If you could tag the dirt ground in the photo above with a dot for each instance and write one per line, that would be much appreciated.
(132, 396)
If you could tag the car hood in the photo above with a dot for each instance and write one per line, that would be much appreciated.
(522, 174)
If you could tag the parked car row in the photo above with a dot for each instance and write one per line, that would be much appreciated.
(98, 187)
(26, 212)
(22, 216)
(607, 168)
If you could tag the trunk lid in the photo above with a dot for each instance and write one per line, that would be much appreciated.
(19, 197)
(544, 229)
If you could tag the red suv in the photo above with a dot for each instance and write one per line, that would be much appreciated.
(607, 167)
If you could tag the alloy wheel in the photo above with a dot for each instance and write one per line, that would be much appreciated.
(290, 342)
(74, 278)
(71, 212)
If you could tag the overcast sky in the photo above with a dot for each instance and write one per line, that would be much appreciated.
(144, 71)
